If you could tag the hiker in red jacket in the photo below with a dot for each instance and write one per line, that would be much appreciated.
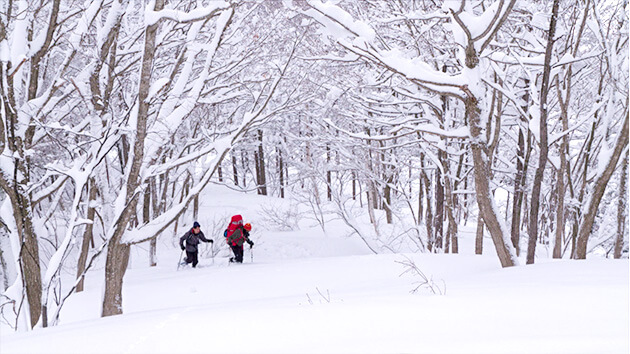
(237, 234)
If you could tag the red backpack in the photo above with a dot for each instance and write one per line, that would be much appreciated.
(235, 224)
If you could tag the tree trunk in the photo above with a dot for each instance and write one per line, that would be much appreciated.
(370, 206)
(544, 147)
(479, 236)
(257, 169)
(420, 197)
(309, 161)
(244, 163)
(29, 248)
(158, 202)
(451, 232)
(4, 273)
(281, 171)
(429, 214)
(621, 208)
(18, 143)
(354, 185)
(196, 208)
(439, 203)
(588, 220)
(234, 169)
(118, 252)
(328, 174)
(458, 177)
(577, 214)
(521, 176)
(260, 166)
(116, 265)
(485, 201)
(375, 196)
(146, 218)
(29, 254)
(561, 188)
(87, 236)
(388, 201)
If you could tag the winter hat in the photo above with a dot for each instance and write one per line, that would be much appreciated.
(248, 227)
(196, 225)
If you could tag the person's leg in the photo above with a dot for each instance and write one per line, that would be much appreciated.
(235, 251)
(195, 259)
(189, 257)
(239, 254)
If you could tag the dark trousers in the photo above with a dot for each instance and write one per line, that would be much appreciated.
(238, 253)
(191, 257)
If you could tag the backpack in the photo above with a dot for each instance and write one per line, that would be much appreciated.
(234, 231)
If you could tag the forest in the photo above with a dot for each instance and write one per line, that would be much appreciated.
(404, 119)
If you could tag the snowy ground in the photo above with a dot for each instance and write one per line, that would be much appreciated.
(308, 292)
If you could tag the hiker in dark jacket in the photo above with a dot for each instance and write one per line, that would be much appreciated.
(237, 234)
(192, 238)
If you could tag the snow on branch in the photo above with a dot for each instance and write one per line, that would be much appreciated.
(418, 70)
(538, 60)
(417, 15)
(339, 18)
(342, 26)
(221, 147)
(152, 17)
(461, 133)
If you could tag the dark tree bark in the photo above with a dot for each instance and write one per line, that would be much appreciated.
(146, 218)
(234, 169)
(451, 232)
(521, 175)
(586, 226)
(388, 178)
(439, 203)
(354, 185)
(561, 186)
(12, 185)
(88, 235)
(429, 213)
(29, 252)
(117, 251)
(328, 174)
(577, 215)
(544, 146)
(621, 208)
(479, 236)
(244, 162)
(281, 171)
(482, 184)
(260, 166)
(420, 199)
(156, 203)
(387, 200)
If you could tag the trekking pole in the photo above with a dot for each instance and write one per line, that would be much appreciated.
(179, 263)
(251, 254)
(212, 250)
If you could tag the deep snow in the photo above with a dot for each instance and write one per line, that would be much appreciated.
(310, 292)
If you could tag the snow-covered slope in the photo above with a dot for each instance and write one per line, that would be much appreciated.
(310, 292)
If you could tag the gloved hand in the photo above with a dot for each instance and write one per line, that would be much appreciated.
(183, 248)
(251, 243)
(211, 241)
